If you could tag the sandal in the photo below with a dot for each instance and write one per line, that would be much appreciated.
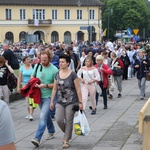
(66, 145)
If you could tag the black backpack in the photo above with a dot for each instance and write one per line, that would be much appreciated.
(11, 81)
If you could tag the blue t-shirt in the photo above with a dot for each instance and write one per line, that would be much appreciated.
(26, 74)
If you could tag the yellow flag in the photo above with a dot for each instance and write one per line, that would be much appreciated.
(104, 33)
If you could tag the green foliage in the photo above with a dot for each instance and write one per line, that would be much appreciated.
(126, 14)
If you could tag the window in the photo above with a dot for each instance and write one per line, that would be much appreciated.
(67, 14)
(39, 14)
(22, 14)
(54, 14)
(8, 14)
(79, 14)
(91, 14)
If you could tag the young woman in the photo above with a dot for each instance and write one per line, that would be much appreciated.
(25, 72)
(4, 70)
(89, 76)
(67, 85)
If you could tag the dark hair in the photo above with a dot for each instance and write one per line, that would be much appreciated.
(70, 48)
(89, 51)
(66, 57)
(24, 58)
(2, 59)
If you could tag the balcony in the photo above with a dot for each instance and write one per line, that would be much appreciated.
(32, 22)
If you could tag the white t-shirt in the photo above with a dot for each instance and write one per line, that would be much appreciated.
(7, 132)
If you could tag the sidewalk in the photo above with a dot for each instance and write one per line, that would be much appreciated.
(113, 129)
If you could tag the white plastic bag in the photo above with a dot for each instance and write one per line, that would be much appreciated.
(81, 125)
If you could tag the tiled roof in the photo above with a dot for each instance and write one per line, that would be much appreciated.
(52, 2)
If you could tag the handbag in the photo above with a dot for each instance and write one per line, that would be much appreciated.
(81, 125)
(117, 71)
(148, 76)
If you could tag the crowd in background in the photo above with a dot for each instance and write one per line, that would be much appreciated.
(99, 66)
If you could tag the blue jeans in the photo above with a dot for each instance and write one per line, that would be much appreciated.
(45, 119)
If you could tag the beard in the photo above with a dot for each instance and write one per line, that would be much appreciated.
(46, 64)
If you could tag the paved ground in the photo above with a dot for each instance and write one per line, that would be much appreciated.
(113, 129)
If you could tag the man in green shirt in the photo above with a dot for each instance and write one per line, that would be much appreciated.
(45, 72)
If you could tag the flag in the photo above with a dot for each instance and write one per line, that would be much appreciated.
(104, 33)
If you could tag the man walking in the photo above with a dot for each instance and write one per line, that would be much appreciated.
(45, 72)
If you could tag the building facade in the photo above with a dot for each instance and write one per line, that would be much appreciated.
(49, 20)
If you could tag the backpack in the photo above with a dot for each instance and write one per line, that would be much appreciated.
(11, 81)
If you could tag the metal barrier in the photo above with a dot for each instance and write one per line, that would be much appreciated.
(144, 125)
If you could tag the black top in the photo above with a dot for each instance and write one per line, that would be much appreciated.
(3, 75)
(8, 54)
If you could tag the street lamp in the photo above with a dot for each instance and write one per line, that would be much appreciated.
(109, 12)
(89, 29)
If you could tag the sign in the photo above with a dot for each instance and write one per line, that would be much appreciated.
(83, 28)
(135, 31)
(36, 22)
(129, 31)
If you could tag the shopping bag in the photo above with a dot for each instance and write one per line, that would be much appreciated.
(81, 125)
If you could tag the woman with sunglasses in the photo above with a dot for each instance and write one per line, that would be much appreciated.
(4, 70)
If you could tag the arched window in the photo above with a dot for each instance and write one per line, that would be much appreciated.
(9, 36)
(80, 35)
(22, 36)
(67, 37)
(54, 37)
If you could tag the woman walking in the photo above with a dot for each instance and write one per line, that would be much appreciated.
(89, 76)
(67, 85)
(25, 72)
(117, 64)
(4, 70)
(104, 71)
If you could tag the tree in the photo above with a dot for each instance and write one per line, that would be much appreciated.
(126, 14)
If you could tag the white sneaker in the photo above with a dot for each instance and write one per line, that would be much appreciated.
(30, 117)
(49, 136)
(27, 117)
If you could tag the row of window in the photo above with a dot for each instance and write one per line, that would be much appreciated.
(39, 14)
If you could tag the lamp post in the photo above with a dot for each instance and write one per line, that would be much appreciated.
(89, 29)
(109, 12)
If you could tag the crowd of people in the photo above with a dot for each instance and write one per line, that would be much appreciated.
(66, 76)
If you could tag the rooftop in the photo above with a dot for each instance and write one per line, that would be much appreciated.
(52, 2)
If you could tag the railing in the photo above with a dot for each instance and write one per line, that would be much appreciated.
(144, 125)
(32, 22)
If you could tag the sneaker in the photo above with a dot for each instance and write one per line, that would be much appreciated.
(105, 107)
(142, 98)
(110, 96)
(27, 117)
(93, 112)
(53, 118)
(49, 136)
(30, 117)
(35, 142)
(119, 95)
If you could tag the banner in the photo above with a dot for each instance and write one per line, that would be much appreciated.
(104, 33)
